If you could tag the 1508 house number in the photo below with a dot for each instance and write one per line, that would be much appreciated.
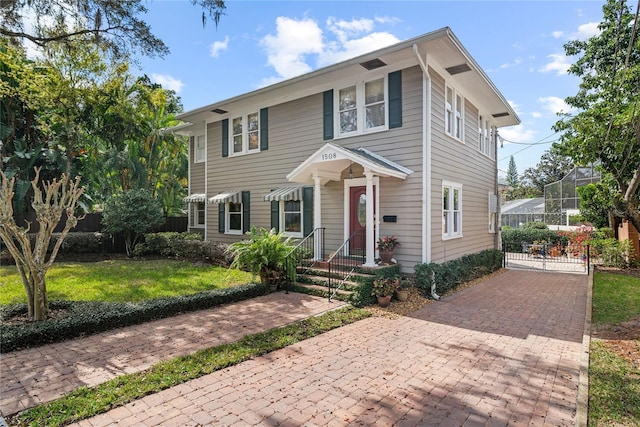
(329, 156)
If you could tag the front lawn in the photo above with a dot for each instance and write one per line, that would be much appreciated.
(122, 280)
(614, 367)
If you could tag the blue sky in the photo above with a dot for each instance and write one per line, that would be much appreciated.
(518, 43)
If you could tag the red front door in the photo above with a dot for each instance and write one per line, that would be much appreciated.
(358, 219)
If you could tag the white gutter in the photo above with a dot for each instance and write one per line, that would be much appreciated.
(426, 158)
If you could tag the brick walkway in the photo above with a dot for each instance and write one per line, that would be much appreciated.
(41, 374)
(504, 352)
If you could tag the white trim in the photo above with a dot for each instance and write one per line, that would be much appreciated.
(282, 213)
(202, 157)
(360, 107)
(446, 235)
(455, 128)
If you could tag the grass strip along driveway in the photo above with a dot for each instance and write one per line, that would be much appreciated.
(87, 402)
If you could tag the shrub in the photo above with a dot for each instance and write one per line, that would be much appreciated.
(451, 274)
(513, 238)
(90, 317)
(536, 225)
(613, 253)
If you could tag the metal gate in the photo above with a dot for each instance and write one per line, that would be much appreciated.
(548, 257)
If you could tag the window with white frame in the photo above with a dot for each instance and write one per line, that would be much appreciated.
(291, 217)
(486, 137)
(199, 149)
(454, 113)
(451, 210)
(234, 218)
(198, 214)
(245, 134)
(362, 107)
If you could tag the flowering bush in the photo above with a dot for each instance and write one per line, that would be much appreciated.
(579, 236)
(388, 242)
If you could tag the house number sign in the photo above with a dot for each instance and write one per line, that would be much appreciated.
(329, 156)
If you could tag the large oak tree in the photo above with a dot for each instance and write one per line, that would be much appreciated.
(606, 128)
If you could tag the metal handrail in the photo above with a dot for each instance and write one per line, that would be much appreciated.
(312, 243)
(348, 263)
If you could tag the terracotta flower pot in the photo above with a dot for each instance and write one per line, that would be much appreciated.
(402, 295)
(384, 301)
(386, 255)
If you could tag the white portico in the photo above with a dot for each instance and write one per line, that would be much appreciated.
(328, 163)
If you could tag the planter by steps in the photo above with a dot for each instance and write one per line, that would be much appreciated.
(402, 295)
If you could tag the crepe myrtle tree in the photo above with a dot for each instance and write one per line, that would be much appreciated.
(133, 213)
(51, 200)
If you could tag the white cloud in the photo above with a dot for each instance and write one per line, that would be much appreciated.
(518, 133)
(554, 105)
(559, 63)
(586, 31)
(296, 43)
(557, 34)
(167, 82)
(218, 46)
(293, 41)
(515, 62)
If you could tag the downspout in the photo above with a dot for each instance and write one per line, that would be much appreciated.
(426, 158)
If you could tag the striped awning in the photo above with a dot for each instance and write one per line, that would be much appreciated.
(195, 198)
(226, 197)
(284, 193)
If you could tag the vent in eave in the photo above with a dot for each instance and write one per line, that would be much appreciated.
(457, 69)
(373, 64)
(500, 115)
(219, 111)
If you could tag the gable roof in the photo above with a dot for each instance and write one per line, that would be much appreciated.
(444, 52)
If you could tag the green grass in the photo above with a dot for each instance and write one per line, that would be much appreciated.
(614, 383)
(122, 280)
(616, 298)
(86, 402)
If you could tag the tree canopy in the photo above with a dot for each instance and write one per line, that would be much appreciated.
(114, 25)
(606, 128)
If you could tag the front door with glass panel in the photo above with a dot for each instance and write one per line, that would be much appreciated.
(358, 219)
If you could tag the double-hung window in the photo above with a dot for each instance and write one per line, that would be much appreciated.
(234, 218)
(451, 210)
(291, 219)
(362, 107)
(454, 113)
(245, 134)
(486, 135)
(199, 148)
(198, 214)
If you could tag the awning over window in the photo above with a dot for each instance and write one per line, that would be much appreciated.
(226, 197)
(284, 193)
(196, 198)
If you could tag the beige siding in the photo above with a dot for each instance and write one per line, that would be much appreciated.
(295, 132)
(461, 163)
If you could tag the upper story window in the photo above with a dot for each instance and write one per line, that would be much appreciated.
(451, 210)
(486, 137)
(200, 152)
(454, 113)
(362, 107)
(245, 134)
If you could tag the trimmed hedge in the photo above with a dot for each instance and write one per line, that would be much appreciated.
(513, 238)
(451, 274)
(91, 317)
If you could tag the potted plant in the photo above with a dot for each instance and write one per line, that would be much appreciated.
(264, 254)
(402, 291)
(383, 288)
(386, 246)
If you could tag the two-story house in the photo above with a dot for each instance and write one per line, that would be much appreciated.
(400, 141)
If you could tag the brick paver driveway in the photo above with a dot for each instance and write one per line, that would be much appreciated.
(504, 352)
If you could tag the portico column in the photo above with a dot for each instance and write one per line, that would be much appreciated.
(317, 217)
(371, 254)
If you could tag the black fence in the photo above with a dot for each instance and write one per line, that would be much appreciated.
(549, 257)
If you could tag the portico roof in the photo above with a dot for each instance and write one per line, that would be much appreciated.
(330, 160)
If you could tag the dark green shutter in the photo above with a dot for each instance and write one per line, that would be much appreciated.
(225, 138)
(264, 129)
(327, 114)
(246, 221)
(395, 99)
(221, 218)
(275, 215)
(307, 210)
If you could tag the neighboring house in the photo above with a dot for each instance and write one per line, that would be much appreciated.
(400, 141)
